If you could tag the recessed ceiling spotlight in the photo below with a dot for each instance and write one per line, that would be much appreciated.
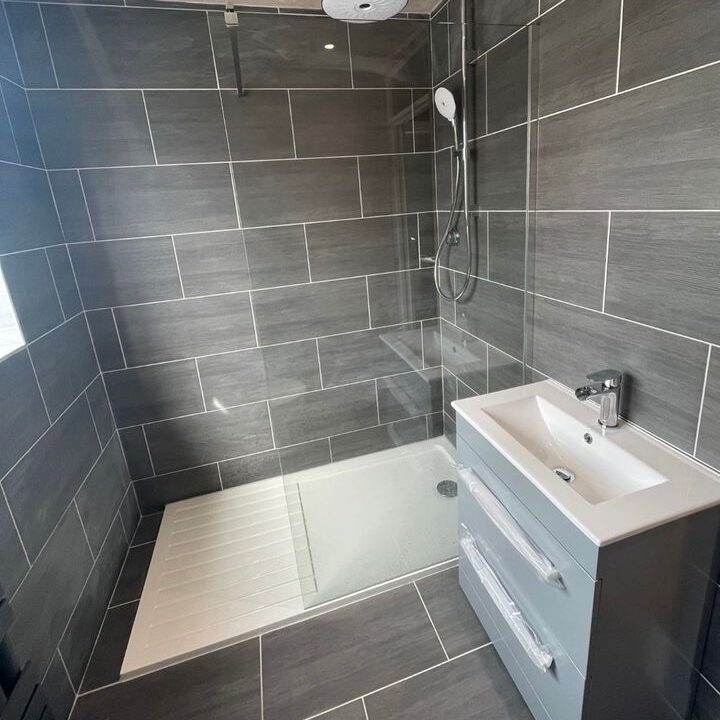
(329, 46)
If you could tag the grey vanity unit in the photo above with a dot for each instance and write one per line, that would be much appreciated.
(594, 632)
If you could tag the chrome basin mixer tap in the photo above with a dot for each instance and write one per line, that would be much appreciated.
(606, 385)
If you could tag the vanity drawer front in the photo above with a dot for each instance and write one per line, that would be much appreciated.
(561, 607)
(558, 692)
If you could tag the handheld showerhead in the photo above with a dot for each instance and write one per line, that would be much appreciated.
(445, 103)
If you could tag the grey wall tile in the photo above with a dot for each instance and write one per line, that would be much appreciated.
(434, 425)
(345, 653)
(154, 493)
(259, 126)
(187, 126)
(323, 413)
(33, 293)
(663, 271)
(410, 394)
(100, 496)
(450, 394)
(28, 214)
(100, 128)
(397, 184)
(662, 38)
(290, 191)
(277, 256)
(304, 311)
(382, 437)
(707, 448)
(507, 83)
(65, 364)
(200, 439)
(476, 680)
(184, 328)
(654, 148)
(249, 469)
(100, 409)
(27, 30)
(402, 297)
(59, 572)
(71, 205)
(38, 500)
(259, 374)
(130, 512)
(506, 244)
(707, 702)
(124, 272)
(440, 46)
(353, 711)
(351, 122)
(567, 257)
(432, 353)
(136, 452)
(132, 202)
(465, 357)
(455, 47)
(13, 562)
(105, 339)
(362, 247)
(77, 643)
(578, 54)
(500, 170)
(155, 392)
(282, 52)
(212, 262)
(64, 278)
(393, 53)
(132, 576)
(8, 148)
(21, 119)
(423, 125)
(304, 455)
(8, 61)
(494, 21)
(664, 373)
(503, 371)
(495, 314)
(371, 353)
(135, 47)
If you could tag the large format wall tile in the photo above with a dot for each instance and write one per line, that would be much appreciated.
(199, 439)
(351, 122)
(663, 373)
(155, 492)
(155, 392)
(381, 437)
(105, 339)
(136, 45)
(708, 450)
(259, 374)
(494, 21)
(291, 191)
(506, 248)
(409, 395)
(185, 328)
(136, 452)
(655, 149)
(663, 270)
(663, 37)
(71, 206)
(99, 128)
(65, 363)
(402, 297)
(59, 573)
(37, 498)
(577, 59)
(277, 256)
(352, 357)
(21, 120)
(311, 310)
(251, 468)
(465, 357)
(323, 413)
(26, 25)
(397, 184)
(8, 61)
(133, 202)
(507, 83)
(362, 247)
(64, 278)
(125, 272)
(304, 455)
(13, 562)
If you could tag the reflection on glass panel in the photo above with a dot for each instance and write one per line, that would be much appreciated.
(11, 337)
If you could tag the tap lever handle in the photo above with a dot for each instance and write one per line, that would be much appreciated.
(609, 378)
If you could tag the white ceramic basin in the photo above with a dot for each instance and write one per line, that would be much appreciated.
(622, 482)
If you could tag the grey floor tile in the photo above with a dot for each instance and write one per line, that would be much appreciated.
(155, 492)
(381, 437)
(451, 613)
(336, 657)
(224, 685)
(147, 529)
(132, 576)
(473, 687)
(107, 657)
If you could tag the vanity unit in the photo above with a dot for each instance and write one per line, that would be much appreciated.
(585, 554)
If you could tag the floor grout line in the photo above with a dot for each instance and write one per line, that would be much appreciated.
(427, 612)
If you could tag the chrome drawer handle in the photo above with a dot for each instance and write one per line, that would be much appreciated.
(526, 636)
(507, 525)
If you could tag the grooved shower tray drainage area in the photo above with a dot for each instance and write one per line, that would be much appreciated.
(234, 563)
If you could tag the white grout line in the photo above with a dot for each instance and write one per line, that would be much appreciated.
(40, 391)
(619, 50)
(377, 402)
(362, 211)
(270, 422)
(367, 297)
(97, 432)
(82, 525)
(292, 124)
(52, 275)
(317, 349)
(202, 392)
(607, 258)
(147, 117)
(352, 72)
(177, 265)
(65, 667)
(262, 689)
(17, 530)
(307, 252)
(365, 710)
(147, 447)
(702, 402)
(117, 332)
(427, 612)
(47, 43)
(254, 321)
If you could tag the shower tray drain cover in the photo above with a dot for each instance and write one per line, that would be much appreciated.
(447, 488)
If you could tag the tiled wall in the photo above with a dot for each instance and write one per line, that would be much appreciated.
(251, 266)
(67, 507)
(624, 256)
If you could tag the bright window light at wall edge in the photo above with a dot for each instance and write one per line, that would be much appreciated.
(329, 46)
